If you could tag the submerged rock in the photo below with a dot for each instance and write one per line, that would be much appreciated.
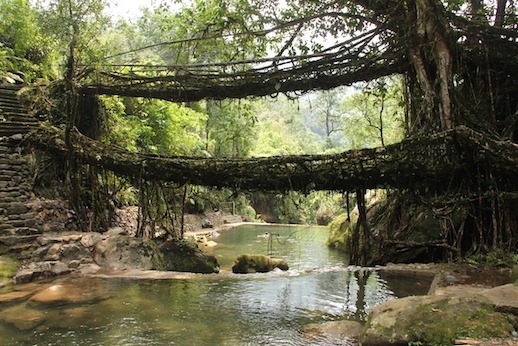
(12, 297)
(67, 294)
(185, 256)
(246, 264)
(22, 317)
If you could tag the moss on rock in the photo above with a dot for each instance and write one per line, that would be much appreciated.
(246, 264)
(434, 320)
(185, 256)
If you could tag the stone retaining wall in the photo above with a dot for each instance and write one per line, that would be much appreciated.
(18, 225)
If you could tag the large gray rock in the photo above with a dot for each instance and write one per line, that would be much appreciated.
(333, 333)
(185, 256)
(40, 270)
(435, 320)
(124, 252)
(504, 298)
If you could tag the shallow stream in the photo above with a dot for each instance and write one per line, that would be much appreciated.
(216, 309)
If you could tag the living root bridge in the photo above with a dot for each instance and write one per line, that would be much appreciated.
(443, 159)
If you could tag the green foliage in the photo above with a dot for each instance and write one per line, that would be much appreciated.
(201, 199)
(320, 207)
(229, 128)
(76, 28)
(23, 46)
(154, 126)
(281, 130)
(374, 115)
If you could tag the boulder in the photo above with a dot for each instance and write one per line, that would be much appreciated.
(246, 264)
(206, 223)
(433, 320)
(40, 270)
(125, 252)
(90, 239)
(185, 256)
(335, 332)
(504, 298)
(74, 252)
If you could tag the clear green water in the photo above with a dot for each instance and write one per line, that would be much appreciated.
(222, 309)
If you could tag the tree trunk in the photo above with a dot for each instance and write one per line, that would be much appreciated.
(431, 56)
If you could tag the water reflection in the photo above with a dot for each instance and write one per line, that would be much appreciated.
(225, 309)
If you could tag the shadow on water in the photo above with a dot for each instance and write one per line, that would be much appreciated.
(228, 309)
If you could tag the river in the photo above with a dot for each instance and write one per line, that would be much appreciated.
(216, 309)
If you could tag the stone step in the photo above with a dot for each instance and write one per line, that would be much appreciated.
(232, 219)
(9, 100)
(16, 124)
(23, 118)
(23, 250)
(20, 231)
(7, 91)
(14, 104)
(11, 241)
(12, 132)
(13, 116)
(6, 107)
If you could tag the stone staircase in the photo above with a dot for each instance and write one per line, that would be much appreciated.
(18, 229)
(14, 119)
(227, 219)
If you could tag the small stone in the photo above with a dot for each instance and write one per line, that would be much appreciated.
(90, 239)
(74, 264)
(54, 253)
(17, 137)
(26, 216)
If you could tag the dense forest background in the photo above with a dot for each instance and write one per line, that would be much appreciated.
(364, 115)
(59, 46)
